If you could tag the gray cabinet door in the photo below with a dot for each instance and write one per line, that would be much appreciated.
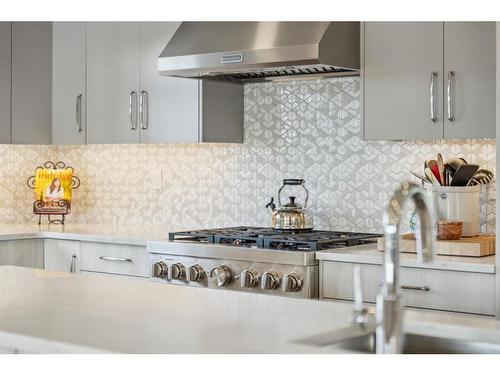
(170, 105)
(5, 56)
(113, 70)
(68, 83)
(61, 255)
(469, 52)
(398, 60)
(31, 82)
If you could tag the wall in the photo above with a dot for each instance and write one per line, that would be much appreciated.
(307, 129)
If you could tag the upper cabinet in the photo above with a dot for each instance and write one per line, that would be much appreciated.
(168, 107)
(5, 69)
(25, 82)
(31, 82)
(428, 80)
(68, 83)
(113, 71)
(469, 73)
(129, 102)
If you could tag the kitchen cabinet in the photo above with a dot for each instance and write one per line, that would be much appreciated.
(5, 69)
(168, 106)
(470, 69)
(23, 253)
(31, 82)
(468, 292)
(407, 84)
(129, 102)
(25, 82)
(113, 73)
(68, 83)
(62, 255)
(128, 260)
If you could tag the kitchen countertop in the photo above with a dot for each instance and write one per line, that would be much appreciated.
(121, 234)
(55, 312)
(127, 235)
(369, 254)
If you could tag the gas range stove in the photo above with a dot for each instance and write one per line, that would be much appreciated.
(268, 238)
(251, 259)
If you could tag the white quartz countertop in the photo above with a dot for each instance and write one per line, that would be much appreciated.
(130, 235)
(369, 254)
(55, 312)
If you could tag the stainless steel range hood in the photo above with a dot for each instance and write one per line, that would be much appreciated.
(256, 51)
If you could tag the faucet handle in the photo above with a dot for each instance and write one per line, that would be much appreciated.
(358, 290)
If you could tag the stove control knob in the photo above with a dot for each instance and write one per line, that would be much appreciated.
(291, 283)
(176, 271)
(195, 273)
(249, 279)
(221, 275)
(160, 269)
(269, 281)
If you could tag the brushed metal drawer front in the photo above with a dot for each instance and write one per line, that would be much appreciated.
(113, 258)
(448, 290)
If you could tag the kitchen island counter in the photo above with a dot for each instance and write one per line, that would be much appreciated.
(55, 312)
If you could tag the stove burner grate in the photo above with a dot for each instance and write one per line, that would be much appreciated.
(268, 238)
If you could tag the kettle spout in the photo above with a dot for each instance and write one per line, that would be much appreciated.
(271, 206)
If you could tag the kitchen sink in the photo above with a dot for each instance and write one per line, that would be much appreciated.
(414, 343)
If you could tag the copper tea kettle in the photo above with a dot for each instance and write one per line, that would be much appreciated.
(290, 216)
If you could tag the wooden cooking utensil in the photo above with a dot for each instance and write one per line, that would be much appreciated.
(421, 177)
(433, 166)
(432, 178)
(440, 164)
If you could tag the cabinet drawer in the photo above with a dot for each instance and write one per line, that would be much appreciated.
(112, 258)
(469, 292)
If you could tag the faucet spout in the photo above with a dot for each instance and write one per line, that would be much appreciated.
(389, 309)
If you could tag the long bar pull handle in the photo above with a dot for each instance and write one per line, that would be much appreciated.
(425, 288)
(79, 113)
(144, 109)
(433, 102)
(116, 259)
(132, 110)
(450, 93)
(72, 266)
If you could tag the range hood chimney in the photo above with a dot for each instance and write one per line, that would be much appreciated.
(258, 51)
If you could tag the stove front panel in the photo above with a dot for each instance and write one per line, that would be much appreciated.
(210, 274)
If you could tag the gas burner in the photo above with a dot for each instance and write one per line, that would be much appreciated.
(268, 238)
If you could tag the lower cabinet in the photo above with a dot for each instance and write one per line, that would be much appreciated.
(468, 292)
(127, 260)
(62, 255)
(23, 253)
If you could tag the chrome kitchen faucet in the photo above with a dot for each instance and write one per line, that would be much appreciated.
(389, 309)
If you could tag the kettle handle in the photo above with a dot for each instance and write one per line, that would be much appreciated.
(293, 181)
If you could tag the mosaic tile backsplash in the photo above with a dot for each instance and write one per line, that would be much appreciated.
(303, 129)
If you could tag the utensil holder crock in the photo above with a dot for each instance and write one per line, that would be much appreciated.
(458, 203)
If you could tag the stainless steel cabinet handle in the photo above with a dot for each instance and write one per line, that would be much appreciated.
(113, 259)
(72, 267)
(425, 288)
(450, 96)
(79, 113)
(132, 110)
(144, 109)
(433, 102)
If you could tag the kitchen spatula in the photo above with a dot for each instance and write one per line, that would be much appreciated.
(463, 174)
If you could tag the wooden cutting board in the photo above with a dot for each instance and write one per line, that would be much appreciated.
(478, 246)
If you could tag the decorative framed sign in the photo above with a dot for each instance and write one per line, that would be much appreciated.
(53, 185)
